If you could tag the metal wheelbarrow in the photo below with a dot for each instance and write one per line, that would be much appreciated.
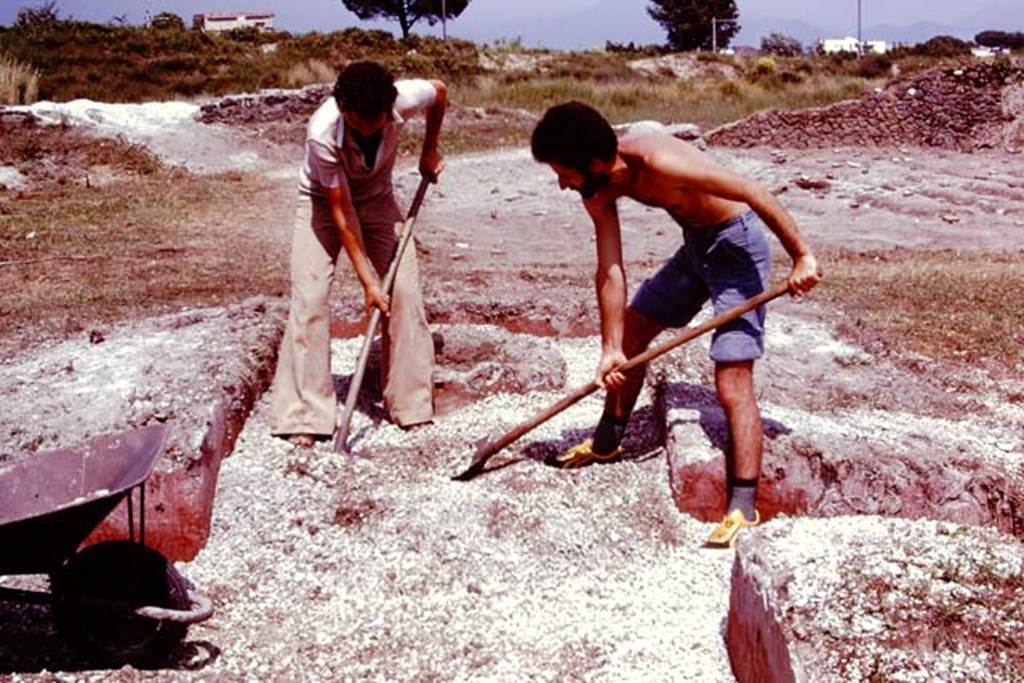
(120, 601)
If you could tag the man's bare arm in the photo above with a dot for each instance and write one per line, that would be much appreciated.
(351, 234)
(697, 171)
(610, 282)
(431, 161)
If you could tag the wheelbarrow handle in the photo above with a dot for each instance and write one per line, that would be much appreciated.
(201, 610)
(341, 435)
(486, 450)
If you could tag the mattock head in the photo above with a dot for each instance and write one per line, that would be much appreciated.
(342, 447)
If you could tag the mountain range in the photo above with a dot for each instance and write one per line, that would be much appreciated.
(624, 21)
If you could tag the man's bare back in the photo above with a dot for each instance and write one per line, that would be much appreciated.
(640, 178)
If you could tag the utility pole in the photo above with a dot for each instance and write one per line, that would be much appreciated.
(714, 31)
(444, 19)
(860, 39)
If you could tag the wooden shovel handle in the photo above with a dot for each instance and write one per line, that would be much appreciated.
(487, 450)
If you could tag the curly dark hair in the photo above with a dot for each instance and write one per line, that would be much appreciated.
(366, 88)
(573, 134)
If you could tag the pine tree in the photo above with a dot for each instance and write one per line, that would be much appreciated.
(688, 22)
(406, 12)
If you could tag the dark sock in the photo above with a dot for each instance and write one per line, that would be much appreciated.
(608, 433)
(744, 493)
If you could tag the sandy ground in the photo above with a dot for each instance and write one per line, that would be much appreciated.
(381, 568)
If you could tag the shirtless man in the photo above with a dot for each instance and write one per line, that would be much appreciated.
(725, 257)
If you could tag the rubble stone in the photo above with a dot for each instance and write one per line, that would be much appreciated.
(869, 598)
(980, 108)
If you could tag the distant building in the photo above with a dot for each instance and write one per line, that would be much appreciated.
(210, 23)
(831, 46)
(986, 52)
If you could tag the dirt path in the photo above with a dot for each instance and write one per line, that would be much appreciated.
(875, 198)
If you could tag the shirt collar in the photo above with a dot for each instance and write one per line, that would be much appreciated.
(339, 137)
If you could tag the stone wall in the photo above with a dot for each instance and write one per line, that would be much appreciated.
(963, 108)
(266, 106)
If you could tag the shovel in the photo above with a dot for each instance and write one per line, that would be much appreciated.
(486, 450)
(341, 435)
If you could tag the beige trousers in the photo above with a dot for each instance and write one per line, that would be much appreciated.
(303, 399)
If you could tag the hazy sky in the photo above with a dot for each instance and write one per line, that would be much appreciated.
(489, 19)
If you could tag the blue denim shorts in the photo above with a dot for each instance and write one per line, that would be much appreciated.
(728, 263)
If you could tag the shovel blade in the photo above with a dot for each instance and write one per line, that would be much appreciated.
(483, 452)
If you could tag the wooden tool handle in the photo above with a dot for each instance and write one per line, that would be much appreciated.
(487, 450)
(341, 435)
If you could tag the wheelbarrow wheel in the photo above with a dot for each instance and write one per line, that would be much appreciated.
(130, 575)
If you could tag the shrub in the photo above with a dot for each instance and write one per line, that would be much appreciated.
(717, 57)
(781, 45)
(730, 90)
(632, 49)
(791, 77)
(943, 46)
(248, 34)
(167, 21)
(43, 16)
(310, 71)
(765, 66)
(874, 66)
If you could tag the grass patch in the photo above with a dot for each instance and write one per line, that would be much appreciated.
(129, 250)
(63, 154)
(953, 307)
(465, 132)
(131, 64)
(117, 63)
(19, 83)
(708, 102)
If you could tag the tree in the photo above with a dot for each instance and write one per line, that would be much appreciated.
(32, 17)
(688, 22)
(1012, 41)
(168, 21)
(781, 45)
(943, 46)
(406, 12)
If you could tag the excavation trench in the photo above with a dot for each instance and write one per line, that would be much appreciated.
(533, 326)
(804, 473)
(809, 474)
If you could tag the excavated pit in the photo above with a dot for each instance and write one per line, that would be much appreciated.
(814, 465)
(862, 465)
(488, 379)
(474, 361)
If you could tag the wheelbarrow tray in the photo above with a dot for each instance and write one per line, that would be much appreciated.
(52, 501)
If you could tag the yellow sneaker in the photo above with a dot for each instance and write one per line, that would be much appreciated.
(583, 454)
(728, 530)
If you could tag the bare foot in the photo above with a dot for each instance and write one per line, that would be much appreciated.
(301, 440)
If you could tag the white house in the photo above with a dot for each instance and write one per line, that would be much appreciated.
(985, 52)
(209, 23)
(849, 44)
